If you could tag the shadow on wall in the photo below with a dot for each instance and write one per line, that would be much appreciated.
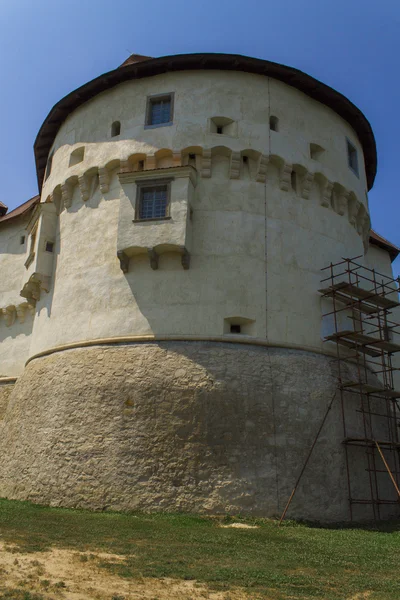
(16, 329)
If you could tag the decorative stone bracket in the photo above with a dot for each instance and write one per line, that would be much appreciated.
(33, 287)
(11, 312)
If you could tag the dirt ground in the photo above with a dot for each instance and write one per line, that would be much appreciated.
(65, 574)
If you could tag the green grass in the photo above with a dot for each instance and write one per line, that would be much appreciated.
(15, 594)
(295, 561)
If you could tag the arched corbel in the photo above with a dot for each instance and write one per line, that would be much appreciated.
(104, 180)
(66, 194)
(306, 182)
(84, 187)
(234, 169)
(354, 206)
(206, 164)
(9, 314)
(261, 175)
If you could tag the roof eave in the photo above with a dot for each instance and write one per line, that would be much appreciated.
(154, 66)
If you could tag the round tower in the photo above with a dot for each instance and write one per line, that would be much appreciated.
(177, 361)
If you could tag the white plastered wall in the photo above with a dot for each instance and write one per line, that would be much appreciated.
(257, 249)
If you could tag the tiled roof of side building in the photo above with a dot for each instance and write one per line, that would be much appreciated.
(20, 210)
(377, 240)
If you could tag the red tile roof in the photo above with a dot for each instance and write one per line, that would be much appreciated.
(133, 59)
(377, 240)
(20, 210)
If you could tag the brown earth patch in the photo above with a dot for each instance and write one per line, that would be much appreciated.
(69, 575)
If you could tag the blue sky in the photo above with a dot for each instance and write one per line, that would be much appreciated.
(48, 48)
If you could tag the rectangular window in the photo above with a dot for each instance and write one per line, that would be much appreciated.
(352, 157)
(159, 110)
(153, 201)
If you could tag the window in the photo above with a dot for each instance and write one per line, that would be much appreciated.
(159, 110)
(273, 123)
(352, 157)
(115, 128)
(316, 151)
(49, 164)
(153, 200)
(49, 247)
(223, 126)
(77, 156)
(22, 240)
(239, 326)
(31, 255)
(293, 180)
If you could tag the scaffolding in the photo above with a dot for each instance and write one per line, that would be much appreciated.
(359, 322)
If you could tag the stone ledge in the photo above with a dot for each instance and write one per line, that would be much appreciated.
(140, 339)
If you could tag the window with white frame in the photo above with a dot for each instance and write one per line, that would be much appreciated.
(153, 200)
(159, 110)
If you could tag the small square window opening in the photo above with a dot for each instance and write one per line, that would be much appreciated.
(352, 157)
(273, 123)
(49, 247)
(236, 328)
(153, 202)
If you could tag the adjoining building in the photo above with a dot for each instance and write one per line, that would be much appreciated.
(162, 339)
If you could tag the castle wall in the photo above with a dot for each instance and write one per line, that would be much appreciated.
(136, 394)
(257, 248)
(207, 427)
(15, 329)
(199, 96)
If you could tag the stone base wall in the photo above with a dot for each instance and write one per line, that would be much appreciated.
(180, 426)
(5, 391)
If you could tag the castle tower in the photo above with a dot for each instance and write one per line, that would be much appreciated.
(161, 344)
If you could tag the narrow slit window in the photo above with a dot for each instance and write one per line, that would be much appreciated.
(153, 202)
(352, 157)
(115, 128)
(22, 240)
(49, 164)
(293, 179)
(274, 123)
(159, 110)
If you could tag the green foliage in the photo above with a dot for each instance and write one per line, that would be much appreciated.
(297, 560)
(16, 594)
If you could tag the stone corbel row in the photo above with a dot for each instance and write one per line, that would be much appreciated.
(153, 258)
(16, 311)
(332, 194)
